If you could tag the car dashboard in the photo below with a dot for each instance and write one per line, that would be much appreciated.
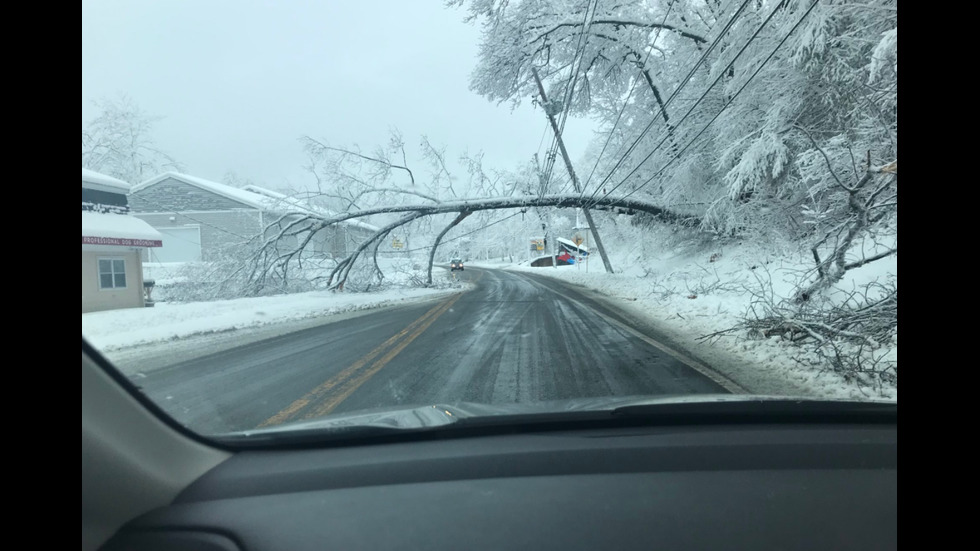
(724, 475)
(724, 486)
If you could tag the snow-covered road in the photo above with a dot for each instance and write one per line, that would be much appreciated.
(515, 338)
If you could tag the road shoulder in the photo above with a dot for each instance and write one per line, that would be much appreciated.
(143, 358)
(748, 375)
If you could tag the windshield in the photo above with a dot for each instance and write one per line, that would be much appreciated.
(657, 200)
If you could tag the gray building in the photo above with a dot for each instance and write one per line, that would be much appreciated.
(205, 220)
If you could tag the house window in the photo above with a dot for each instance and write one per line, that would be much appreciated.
(112, 273)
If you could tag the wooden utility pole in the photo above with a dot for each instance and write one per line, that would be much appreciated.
(571, 171)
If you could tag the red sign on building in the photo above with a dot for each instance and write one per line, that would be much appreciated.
(122, 242)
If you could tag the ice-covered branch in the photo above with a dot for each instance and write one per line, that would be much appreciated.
(435, 244)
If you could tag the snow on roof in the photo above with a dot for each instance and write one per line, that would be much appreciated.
(280, 200)
(253, 196)
(285, 199)
(246, 197)
(117, 226)
(571, 243)
(101, 180)
(362, 225)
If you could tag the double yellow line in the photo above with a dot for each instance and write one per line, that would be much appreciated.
(328, 395)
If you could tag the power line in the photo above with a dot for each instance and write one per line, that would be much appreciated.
(628, 96)
(670, 99)
(673, 95)
(481, 228)
(550, 159)
(541, 141)
(721, 74)
(729, 102)
(569, 90)
(580, 52)
(565, 184)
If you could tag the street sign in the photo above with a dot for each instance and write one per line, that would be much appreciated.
(396, 244)
(578, 239)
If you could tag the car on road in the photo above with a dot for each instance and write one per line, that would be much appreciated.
(456, 264)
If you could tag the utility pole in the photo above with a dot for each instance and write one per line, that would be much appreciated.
(571, 171)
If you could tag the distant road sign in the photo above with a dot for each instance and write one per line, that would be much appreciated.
(578, 239)
(396, 244)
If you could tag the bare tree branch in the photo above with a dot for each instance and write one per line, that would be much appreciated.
(435, 244)
(343, 268)
(618, 24)
(870, 259)
(316, 144)
(830, 166)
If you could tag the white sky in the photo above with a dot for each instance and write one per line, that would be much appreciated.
(239, 81)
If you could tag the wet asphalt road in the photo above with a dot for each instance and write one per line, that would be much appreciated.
(516, 338)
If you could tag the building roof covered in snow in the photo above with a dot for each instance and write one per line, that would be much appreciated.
(100, 228)
(572, 246)
(253, 196)
(101, 182)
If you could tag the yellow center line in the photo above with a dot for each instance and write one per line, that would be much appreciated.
(350, 373)
(347, 387)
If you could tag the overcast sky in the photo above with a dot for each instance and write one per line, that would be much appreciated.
(239, 81)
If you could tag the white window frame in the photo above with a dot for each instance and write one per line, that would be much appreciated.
(98, 272)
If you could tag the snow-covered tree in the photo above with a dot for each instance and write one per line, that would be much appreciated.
(119, 142)
(705, 103)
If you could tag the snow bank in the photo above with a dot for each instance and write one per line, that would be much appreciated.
(695, 297)
(114, 329)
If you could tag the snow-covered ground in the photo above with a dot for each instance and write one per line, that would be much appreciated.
(167, 322)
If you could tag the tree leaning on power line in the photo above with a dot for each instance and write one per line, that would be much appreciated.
(827, 66)
(272, 262)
